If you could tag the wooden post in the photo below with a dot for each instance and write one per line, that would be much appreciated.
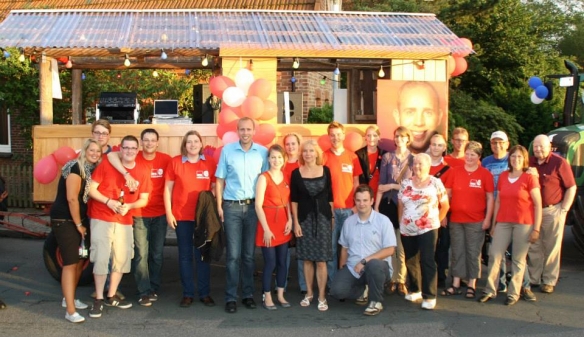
(46, 90)
(76, 99)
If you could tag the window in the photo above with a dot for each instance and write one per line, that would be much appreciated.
(5, 141)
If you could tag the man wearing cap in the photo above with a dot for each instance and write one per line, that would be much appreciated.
(558, 189)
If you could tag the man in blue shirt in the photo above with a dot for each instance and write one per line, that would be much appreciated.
(237, 172)
(368, 241)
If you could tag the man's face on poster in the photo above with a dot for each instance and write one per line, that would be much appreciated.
(419, 112)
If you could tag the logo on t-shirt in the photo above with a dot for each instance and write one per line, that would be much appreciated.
(202, 174)
(156, 173)
(346, 168)
(475, 183)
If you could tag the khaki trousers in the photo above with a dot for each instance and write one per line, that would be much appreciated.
(544, 254)
(398, 261)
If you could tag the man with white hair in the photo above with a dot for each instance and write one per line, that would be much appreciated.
(558, 189)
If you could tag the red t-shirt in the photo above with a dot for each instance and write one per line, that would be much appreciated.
(157, 167)
(469, 193)
(515, 204)
(344, 168)
(437, 168)
(454, 162)
(374, 181)
(111, 183)
(288, 168)
(189, 180)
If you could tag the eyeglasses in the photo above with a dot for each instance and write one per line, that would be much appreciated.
(100, 134)
(125, 148)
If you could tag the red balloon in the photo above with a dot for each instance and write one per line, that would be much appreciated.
(63, 59)
(324, 142)
(260, 88)
(230, 137)
(460, 66)
(353, 141)
(252, 107)
(265, 134)
(270, 110)
(228, 114)
(217, 154)
(222, 128)
(64, 154)
(218, 84)
(45, 170)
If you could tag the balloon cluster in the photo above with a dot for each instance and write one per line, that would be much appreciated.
(353, 141)
(244, 97)
(457, 64)
(46, 170)
(540, 91)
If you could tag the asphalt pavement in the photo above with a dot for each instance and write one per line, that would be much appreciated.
(34, 307)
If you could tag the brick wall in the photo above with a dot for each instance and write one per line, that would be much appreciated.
(314, 93)
(21, 151)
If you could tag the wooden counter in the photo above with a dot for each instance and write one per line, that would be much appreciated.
(48, 138)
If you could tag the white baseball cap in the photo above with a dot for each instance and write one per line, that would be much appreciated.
(499, 134)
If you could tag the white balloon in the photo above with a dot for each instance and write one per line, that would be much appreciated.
(535, 99)
(244, 79)
(233, 96)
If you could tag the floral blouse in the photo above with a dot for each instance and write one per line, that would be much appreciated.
(420, 206)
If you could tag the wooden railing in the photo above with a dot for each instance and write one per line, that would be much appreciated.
(18, 184)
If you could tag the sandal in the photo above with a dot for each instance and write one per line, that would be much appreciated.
(322, 305)
(451, 291)
(306, 301)
(470, 293)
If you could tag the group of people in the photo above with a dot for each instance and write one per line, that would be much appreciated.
(363, 223)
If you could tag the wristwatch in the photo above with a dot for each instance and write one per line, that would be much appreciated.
(363, 262)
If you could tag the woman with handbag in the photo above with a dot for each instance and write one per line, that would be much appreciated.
(395, 167)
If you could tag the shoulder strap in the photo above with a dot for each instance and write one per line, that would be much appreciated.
(441, 172)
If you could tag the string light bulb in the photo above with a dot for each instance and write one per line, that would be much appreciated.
(163, 54)
(5, 52)
(83, 77)
(127, 62)
(119, 75)
(155, 73)
(21, 58)
(337, 72)
(69, 64)
(296, 63)
(187, 72)
(205, 61)
(250, 65)
(381, 73)
(293, 79)
(323, 80)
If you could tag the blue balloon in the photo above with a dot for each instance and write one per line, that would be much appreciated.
(541, 92)
(535, 82)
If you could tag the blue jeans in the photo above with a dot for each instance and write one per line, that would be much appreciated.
(149, 236)
(341, 214)
(287, 272)
(275, 257)
(301, 279)
(184, 237)
(240, 223)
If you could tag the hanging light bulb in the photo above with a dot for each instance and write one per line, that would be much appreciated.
(323, 80)
(155, 73)
(21, 58)
(205, 61)
(127, 62)
(163, 54)
(69, 64)
(337, 71)
(296, 63)
(187, 72)
(5, 52)
(250, 65)
(119, 75)
(83, 76)
(293, 79)
(381, 73)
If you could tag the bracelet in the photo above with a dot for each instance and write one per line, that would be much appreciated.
(79, 225)
(535, 230)
(108, 199)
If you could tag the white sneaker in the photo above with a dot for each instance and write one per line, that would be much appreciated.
(78, 304)
(362, 300)
(75, 318)
(412, 297)
(373, 308)
(429, 304)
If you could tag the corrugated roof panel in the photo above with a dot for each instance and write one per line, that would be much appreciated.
(269, 32)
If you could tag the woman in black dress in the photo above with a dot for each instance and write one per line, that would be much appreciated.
(69, 222)
(312, 203)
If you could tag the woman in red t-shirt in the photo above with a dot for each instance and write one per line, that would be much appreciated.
(517, 219)
(272, 206)
(470, 188)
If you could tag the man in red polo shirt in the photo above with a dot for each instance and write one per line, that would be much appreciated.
(345, 171)
(111, 209)
(558, 189)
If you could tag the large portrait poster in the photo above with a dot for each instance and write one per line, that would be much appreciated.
(420, 106)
